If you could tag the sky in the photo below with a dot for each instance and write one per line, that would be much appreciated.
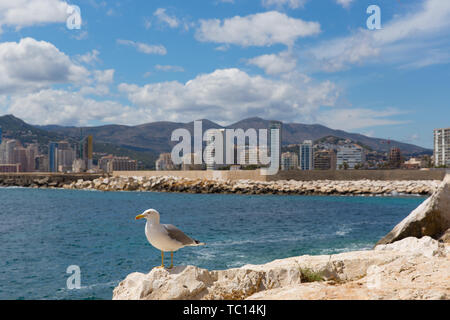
(306, 61)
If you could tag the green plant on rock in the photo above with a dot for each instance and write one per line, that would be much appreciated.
(308, 275)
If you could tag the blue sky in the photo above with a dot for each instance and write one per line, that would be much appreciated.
(307, 61)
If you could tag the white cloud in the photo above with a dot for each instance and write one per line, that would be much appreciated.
(403, 40)
(90, 57)
(30, 64)
(102, 79)
(223, 47)
(144, 48)
(104, 76)
(50, 106)
(294, 4)
(169, 68)
(261, 29)
(275, 63)
(358, 118)
(25, 13)
(230, 95)
(345, 3)
(147, 23)
(162, 16)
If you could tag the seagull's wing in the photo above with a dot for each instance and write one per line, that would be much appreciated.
(178, 235)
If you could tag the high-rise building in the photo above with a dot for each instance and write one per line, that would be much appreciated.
(164, 162)
(103, 162)
(395, 157)
(65, 156)
(20, 157)
(65, 159)
(349, 156)
(121, 164)
(248, 155)
(60, 156)
(32, 152)
(111, 163)
(79, 166)
(3, 152)
(41, 163)
(289, 161)
(52, 157)
(0, 135)
(325, 160)
(87, 152)
(442, 147)
(276, 144)
(307, 155)
(9, 154)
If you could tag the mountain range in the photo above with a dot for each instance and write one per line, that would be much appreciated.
(151, 139)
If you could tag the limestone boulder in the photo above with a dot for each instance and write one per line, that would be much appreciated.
(445, 237)
(431, 218)
(345, 275)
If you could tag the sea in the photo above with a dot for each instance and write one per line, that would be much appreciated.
(45, 232)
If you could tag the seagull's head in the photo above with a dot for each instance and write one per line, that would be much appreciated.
(150, 214)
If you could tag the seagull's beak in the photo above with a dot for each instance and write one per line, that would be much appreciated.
(140, 216)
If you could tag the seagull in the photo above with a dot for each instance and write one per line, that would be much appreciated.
(165, 237)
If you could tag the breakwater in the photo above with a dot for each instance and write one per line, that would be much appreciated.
(299, 175)
(292, 187)
(44, 179)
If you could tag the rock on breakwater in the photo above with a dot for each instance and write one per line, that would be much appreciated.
(292, 187)
(408, 269)
(43, 180)
(431, 218)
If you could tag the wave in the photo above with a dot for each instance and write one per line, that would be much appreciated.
(343, 231)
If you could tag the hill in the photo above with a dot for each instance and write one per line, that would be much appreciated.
(148, 140)
(155, 137)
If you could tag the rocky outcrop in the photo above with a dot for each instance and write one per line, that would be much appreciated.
(408, 269)
(291, 187)
(431, 218)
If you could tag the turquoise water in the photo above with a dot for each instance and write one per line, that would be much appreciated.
(42, 232)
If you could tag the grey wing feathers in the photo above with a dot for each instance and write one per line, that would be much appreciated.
(179, 235)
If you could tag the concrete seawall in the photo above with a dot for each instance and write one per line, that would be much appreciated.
(385, 175)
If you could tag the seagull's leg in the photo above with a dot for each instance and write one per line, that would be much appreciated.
(171, 260)
(162, 260)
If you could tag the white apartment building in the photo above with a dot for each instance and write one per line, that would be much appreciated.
(351, 155)
(442, 147)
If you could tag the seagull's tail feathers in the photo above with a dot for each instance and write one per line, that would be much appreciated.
(198, 243)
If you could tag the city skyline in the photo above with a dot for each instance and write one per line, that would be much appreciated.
(173, 61)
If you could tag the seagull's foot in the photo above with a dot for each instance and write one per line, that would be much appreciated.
(171, 267)
(159, 267)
